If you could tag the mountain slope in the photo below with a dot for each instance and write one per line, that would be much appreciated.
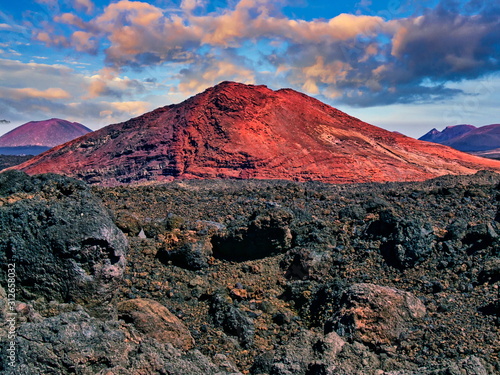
(234, 130)
(47, 133)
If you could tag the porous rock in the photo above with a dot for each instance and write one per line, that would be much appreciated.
(76, 343)
(61, 238)
(405, 243)
(266, 233)
(376, 315)
(154, 320)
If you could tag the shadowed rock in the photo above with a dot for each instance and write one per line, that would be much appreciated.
(62, 240)
(267, 233)
(376, 315)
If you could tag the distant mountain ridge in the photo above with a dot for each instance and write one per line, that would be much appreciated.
(448, 133)
(243, 131)
(467, 138)
(38, 136)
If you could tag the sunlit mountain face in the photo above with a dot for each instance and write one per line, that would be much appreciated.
(405, 66)
(240, 131)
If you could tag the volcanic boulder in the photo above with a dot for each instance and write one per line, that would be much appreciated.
(154, 320)
(75, 342)
(305, 264)
(267, 233)
(190, 248)
(242, 131)
(62, 241)
(405, 242)
(232, 320)
(376, 315)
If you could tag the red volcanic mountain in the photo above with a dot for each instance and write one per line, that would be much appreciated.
(42, 134)
(242, 131)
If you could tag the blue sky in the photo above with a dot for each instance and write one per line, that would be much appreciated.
(403, 65)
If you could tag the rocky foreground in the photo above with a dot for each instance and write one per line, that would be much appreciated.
(252, 277)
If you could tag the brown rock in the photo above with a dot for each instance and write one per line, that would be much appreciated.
(239, 293)
(155, 320)
(377, 315)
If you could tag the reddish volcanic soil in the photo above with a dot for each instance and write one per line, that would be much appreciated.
(241, 131)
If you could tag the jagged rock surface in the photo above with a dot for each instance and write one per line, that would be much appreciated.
(283, 312)
(63, 242)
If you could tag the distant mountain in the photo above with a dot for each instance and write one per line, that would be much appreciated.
(467, 138)
(490, 154)
(234, 130)
(448, 133)
(35, 137)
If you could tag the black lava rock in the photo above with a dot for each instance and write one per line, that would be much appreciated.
(62, 240)
(232, 320)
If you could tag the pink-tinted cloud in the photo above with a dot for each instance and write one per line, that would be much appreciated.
(85, 5)
(108, 83)
(27, 93)
(141, 34)
(338, 57)
(83, 41)
(52, 40)
(71, 19)
(210, 72)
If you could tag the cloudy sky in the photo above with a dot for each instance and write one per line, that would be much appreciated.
(403, 65)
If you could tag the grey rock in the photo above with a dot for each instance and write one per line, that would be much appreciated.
(307, 264)
(456, 230)
(376, 315)
(491, 271)
(480, 236)
(61, 238)
(76, 343)
(405, 243)
(232, 320)
(297, 355)
(306, 353)
(193, 253)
